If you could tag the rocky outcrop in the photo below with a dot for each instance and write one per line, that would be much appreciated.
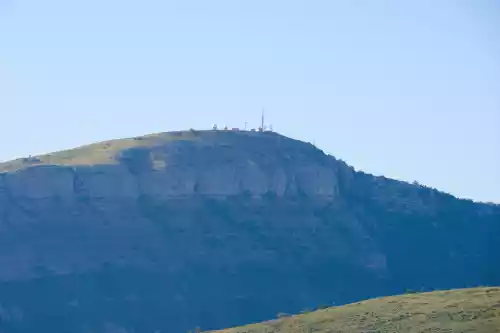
(39, 182)
(180, 169)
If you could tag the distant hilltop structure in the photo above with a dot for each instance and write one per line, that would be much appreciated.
(262, 128)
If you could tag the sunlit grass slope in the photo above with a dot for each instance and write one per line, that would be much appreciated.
(454, 311)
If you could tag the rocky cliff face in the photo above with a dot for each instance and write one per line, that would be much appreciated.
(222, 165)
(215, 229)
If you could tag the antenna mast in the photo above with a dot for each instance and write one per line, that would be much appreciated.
(262, 122)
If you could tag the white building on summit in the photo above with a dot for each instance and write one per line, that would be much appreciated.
(262, 128)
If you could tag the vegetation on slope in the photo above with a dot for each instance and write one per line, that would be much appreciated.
(465, 310)
(105, 152)
(109, 152)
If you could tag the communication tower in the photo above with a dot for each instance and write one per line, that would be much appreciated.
(262, 122)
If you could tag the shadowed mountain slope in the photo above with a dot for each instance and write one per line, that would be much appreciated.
(217, 229)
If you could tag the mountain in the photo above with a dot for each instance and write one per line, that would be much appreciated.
(215, 229)
(468, 310)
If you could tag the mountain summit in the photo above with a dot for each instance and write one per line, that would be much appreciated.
(170, 231)
(177, 164)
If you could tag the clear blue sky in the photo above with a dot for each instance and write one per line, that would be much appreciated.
(407, 89)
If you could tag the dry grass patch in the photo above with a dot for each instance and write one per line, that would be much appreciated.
(454, 311)
(98, 153)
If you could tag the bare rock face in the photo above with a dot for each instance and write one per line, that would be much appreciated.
(39, 183)
(186, 168)
(216, 229)
(103, 181)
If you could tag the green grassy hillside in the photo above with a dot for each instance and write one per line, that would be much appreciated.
(108, 152)
(105, 152)
(464, 310)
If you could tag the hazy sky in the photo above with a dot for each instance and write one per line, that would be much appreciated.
(407, 89)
